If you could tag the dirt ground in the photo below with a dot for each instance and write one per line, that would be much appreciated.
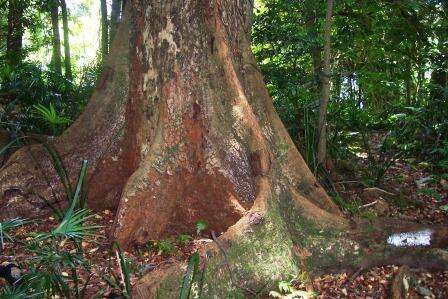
(412, 199)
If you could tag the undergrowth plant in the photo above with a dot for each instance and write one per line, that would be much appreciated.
(40, 101)
(57, 256)
(51, 118)
(165, 247)
(53, 270)
(192, 280)
(121, 282)
(184, 239)
(8, 225)
(201, 225)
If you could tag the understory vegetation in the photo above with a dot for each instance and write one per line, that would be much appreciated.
(388, 97)
(35, 100)
(388, 78)
(386, 120)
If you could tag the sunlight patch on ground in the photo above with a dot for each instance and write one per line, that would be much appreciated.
(411, 239)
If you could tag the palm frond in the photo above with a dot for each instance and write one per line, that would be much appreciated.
(50, 115)
(73, 227)
(190, 274)
(125, 271)
(10, 292)
(6, 226)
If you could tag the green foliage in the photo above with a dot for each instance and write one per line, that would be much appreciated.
(121, 283)
(9, 292)
(165, 247)
(8, 225)
(421, 131)
(190, 275)
(51, 117)
(39, 101)
(286, 287)
(46, 276)
(235, 294)
(350, 206)
(388, 66)
(201, 225)
(184, 239)
(430, 193)
(440, 156)
(50, 259)
(288, 291)
(73, 225)
(125, 272)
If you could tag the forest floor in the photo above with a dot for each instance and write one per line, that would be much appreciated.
(414, 194)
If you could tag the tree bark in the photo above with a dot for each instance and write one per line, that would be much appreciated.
(104, 30)
(15, 32)
(67, 56)
(181, 128)
(316, 49)
(322, 142)
(56, 38)
(439, 76)
(123, 5)
(115, 16)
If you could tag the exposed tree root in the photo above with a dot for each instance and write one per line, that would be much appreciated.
(220, 262)
(400, 283)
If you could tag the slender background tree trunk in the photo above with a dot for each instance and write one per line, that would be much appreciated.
(56, 38)
(312, 27)
(15, 31)
(67, 56)
(114, 18)
(326, 75)
(104, 30)
(439, 76)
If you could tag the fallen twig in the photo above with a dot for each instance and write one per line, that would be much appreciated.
(369, 205)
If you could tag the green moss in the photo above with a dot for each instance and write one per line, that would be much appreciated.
(265, 254)
(281, 149)
(256, 259)
(170, 286)
(321, 247)
(162, 160)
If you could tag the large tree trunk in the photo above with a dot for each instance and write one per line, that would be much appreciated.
(180, 129)
(56, 38)
(15, 31)
(67, 56)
